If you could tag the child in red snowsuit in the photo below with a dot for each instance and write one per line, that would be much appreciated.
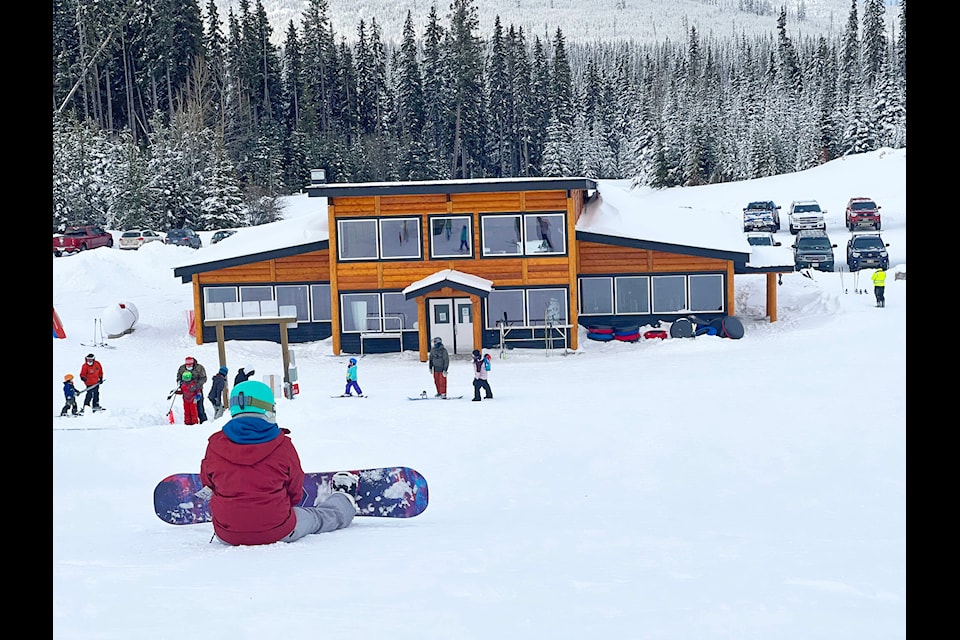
(189, 390)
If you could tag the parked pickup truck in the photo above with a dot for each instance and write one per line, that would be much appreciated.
(862, 212)
(762, 215)
(75, 239)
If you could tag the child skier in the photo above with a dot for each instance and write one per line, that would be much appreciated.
(352, 378)
(69, 394)
(481, 365)
(217, 383)
(189, 390)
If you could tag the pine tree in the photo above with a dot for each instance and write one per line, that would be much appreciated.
(499, 105)
(874, 49)
(849, 56)
(463, 57)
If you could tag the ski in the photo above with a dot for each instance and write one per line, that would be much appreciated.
(423, 397)
(349, 395)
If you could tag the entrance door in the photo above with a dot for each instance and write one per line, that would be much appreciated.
(451, 320)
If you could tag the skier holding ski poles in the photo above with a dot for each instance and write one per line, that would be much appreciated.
(92, 375)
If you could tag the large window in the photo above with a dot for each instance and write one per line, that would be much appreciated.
(360, 312)
(544, 233)
(546, 306)
(400, 238)
(267, 300)
(357, 239)
(398, 312)
(669, 294)
(706, 292)
(386, 238)
(523, 234)
(526, 307)
(506, 307)
(451, 236)
(294, 296)
(596, 296)
(216, 301)
(322, 309)
(632, 294)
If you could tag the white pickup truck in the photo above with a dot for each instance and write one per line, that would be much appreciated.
(805, 214)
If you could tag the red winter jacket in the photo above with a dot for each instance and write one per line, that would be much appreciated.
(91, 374)
(255, 488)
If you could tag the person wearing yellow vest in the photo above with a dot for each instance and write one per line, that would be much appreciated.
(879, 281)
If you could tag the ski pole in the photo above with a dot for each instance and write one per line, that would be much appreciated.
(170, 417)
(842, 288)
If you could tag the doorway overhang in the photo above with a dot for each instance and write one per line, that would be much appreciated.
(470, 284)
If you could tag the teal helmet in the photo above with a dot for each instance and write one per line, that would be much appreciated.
(252, 397)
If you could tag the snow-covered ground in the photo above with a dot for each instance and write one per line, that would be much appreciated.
(688, 488)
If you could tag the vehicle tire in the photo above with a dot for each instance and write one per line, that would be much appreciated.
(876, 227)
(792, 230)
(83, 247)
(110, 244)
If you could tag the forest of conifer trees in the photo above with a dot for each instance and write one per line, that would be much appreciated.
(167, 114)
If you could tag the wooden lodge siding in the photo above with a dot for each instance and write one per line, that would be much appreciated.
(504, 271)
(306, 267)
(602, 259)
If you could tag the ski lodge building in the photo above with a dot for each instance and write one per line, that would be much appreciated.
(483, 264)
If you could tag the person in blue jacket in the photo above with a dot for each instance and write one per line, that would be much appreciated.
(69, 395)
(352, 378)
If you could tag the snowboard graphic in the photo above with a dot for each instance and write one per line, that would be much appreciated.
(389, 492)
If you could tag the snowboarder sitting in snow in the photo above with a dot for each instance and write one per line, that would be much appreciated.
(352, 378)
(217, 383)
(189, 390)
(69, 395)
(251, 472)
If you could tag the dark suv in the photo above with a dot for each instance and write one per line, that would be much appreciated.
(812, 249)
(867, 250)
(183, 237)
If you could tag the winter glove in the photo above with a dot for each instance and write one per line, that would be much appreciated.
(444, 374)
(204, 494)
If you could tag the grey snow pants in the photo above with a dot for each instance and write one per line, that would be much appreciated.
(335, 512)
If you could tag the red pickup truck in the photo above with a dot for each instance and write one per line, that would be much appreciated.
(75, 239)
(862, 212)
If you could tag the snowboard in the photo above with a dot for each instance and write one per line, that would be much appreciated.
(343, 395)
(388, 492)
(433, 398)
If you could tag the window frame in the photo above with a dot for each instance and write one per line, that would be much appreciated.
(457, 220)
(527, 221)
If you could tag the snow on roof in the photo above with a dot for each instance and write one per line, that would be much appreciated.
(623, 212)
(470, 282)
(617, 210)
